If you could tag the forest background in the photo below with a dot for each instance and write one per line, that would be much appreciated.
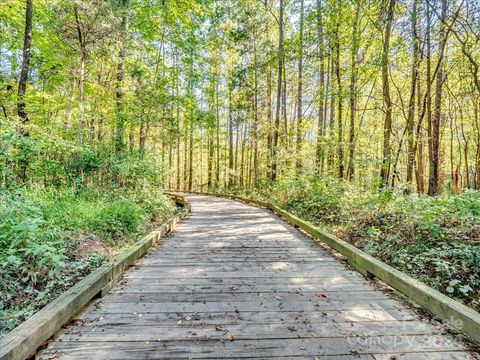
(359, 115)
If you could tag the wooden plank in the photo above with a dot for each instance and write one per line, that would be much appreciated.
(238, 289)
(185, 274)
(194, 306)
(231, 281)
(251, 348)
(250, 317)
(244, 331)
(154, 296)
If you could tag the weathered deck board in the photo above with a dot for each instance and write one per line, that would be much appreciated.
(237, 271)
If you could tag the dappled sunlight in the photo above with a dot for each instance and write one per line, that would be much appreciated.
(280, 266)
(186, 271)
(363, 315)
(217, 244)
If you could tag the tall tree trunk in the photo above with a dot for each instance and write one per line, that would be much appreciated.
(388, 10)
(412, 100)
(255, 116)
(243, 144)
(420, 144)
(353, 91)
(23, 80)
(319, 153)
(81, 77)
(300, 93)
(339, 96)
(22, 84)
(235, 152)
(279, 95)
(434, 173)
(270, 122)
(231, 164)
(120, 111)
(476, 111)
(210, 159)
(217, 133)
(331, 125)
(190, 157)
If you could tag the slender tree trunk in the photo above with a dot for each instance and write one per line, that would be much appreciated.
(120, 111)
(22, 84)
(23, 80)
(434, 173)
(242, 156)
(330, 80)
(190, 157)
(339, 96)
(319, 158)
(231, 164)
(285, 135)
(211, 155)
(353, 92)
(270, 122)
(255, 116)
(217, 133)
(279, 95)
(412, 100)
(419, 145)
(387, 101)
(476, 111)
(81, 77)
(298, 148)
(179, 156)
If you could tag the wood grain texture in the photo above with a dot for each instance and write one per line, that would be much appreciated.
(235, 281)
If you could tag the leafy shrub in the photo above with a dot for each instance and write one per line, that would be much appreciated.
(41, 236)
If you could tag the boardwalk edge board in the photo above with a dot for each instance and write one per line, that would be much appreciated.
(454, 313)
(26, 338)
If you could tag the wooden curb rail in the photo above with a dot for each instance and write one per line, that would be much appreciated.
(24, 340)
(459, 316)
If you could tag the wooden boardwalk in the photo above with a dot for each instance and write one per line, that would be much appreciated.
(235, 281)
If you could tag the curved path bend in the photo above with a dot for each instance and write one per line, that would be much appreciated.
(235, 281)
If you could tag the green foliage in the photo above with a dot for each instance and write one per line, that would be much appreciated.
(45, 237)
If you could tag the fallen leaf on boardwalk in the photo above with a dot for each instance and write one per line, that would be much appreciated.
(219, 327)
(237, 311)
(320, 295)
(188, 318)
(179, 322)
(231, 338)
